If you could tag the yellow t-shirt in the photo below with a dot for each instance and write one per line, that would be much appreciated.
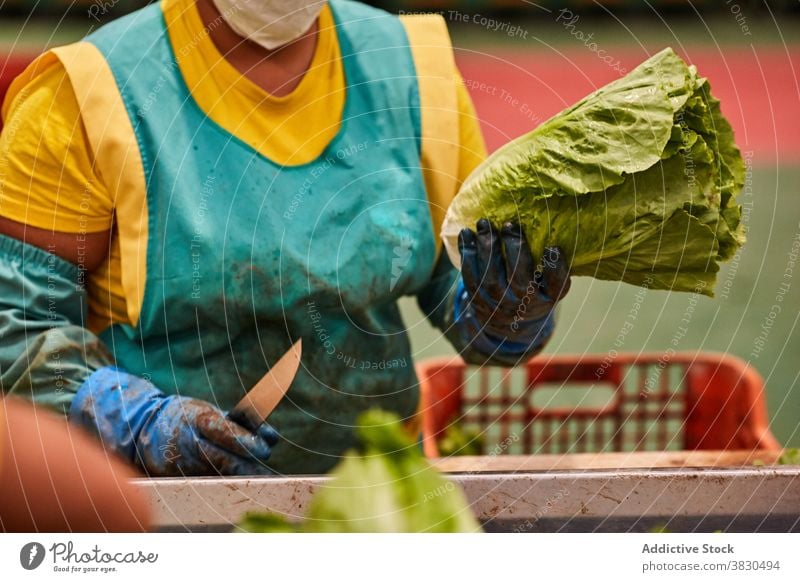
(48, 178)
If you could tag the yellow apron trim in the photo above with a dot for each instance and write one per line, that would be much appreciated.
(436, 73)
(116, 153)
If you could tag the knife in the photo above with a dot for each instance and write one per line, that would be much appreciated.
(261, 400)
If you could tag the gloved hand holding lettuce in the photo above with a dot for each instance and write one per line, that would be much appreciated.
(636, 182)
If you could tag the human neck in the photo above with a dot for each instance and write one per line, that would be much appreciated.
(278, 71)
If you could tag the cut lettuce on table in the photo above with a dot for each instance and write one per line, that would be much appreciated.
(637, 182)
(387, 486)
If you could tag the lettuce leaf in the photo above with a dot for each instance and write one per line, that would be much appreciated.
(636, 182)
(387, 486)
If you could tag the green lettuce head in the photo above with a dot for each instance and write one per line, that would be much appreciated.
(386, 486)
(637, 182)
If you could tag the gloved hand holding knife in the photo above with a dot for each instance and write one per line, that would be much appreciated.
(171, 435)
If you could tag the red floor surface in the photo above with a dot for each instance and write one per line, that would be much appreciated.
(758, 88)
(514, 91)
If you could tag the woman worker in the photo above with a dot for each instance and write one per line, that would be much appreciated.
(194, 187)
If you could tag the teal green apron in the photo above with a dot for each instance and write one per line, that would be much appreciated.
(246, 256)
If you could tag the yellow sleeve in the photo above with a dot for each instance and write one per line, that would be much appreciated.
(472, 147)
(47, 174)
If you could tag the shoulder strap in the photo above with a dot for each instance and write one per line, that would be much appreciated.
(432, 51)
(116, 153)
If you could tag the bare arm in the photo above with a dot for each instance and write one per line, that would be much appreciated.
(86, 251)
(54, 478)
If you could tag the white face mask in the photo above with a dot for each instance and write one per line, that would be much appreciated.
(270, 23)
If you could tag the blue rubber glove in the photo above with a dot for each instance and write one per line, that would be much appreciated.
(167, 435)
(505, 302)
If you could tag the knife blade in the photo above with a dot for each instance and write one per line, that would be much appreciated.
(252, 410)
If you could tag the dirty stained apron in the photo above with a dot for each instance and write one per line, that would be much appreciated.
(245, 256)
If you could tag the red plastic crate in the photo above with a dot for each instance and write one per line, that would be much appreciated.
(11, 66)
(652, 402)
